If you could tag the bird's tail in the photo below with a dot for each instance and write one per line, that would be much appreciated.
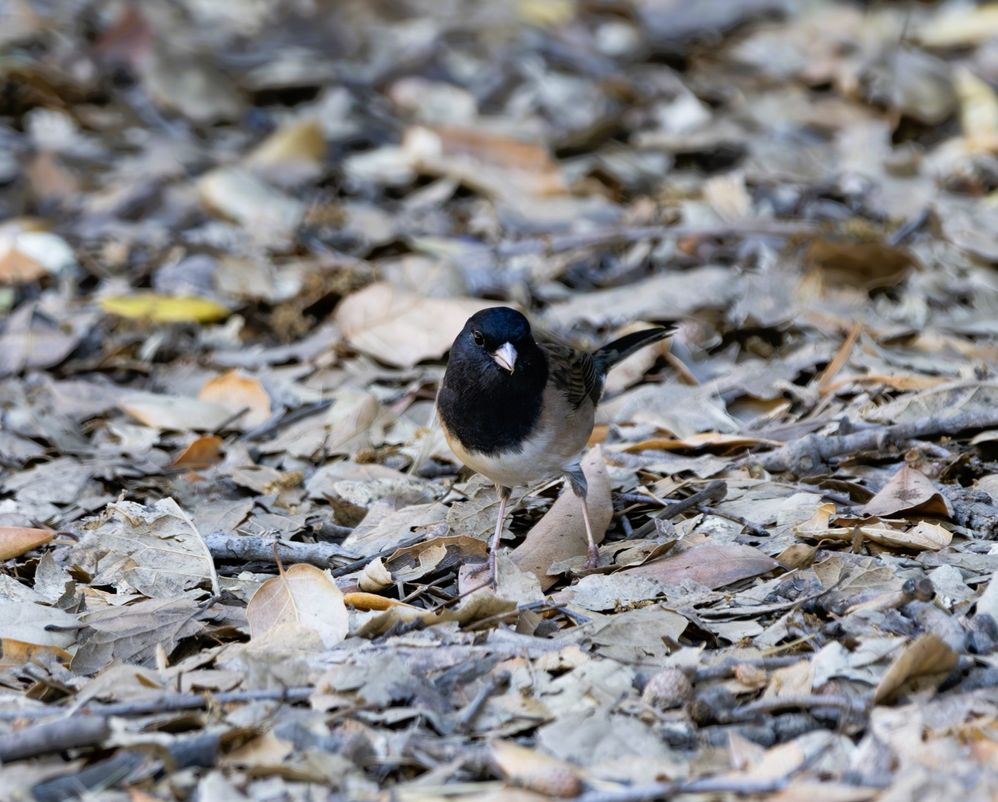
(618, 350)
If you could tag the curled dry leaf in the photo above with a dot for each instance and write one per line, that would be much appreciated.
(911, 492)
(401, 328)
(17, 540)
(236, 392)
(302, 597)
(374, 577)
(928, 656)
(561, 533)
(924, 536)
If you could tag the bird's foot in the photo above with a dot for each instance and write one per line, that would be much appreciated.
(592, 560)
(478, 576)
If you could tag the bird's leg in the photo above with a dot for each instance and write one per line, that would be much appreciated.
(577, 479)
(504, 493)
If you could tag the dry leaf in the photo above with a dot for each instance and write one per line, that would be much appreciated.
(17, 540)
(491, 163)
(236, 392)
(158, 308)
(927, 656)
(155, 550)
(561, 533)
(175, 413)
(27, 254)
(204, 452)
(302, 597)
(401, 328)
(923, 536)
(911, 492)
(709, 564)
(530, 768)
(37, 625)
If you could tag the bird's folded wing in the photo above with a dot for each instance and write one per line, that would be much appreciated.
(572, 371)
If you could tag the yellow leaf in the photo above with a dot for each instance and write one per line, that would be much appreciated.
(164, 308)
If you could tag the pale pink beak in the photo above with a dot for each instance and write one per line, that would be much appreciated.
(505, 356)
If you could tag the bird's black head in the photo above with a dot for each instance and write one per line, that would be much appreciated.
(499, 335)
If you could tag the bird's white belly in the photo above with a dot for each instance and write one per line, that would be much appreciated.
(537, 460)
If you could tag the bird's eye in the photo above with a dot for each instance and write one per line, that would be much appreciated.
(478, 337)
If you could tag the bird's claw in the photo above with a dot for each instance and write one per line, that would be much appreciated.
(592, 560)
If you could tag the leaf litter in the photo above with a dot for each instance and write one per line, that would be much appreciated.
(235, 547)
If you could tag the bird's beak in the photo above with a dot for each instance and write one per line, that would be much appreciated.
(505, 356)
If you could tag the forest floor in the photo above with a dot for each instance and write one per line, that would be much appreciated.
(236, 242)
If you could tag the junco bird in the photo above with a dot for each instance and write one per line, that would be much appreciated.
(519, 408)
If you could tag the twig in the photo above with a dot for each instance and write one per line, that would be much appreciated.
(754, 529)
(715, 491)
(248, 548)
(728, 667)
(742, 786)
(165, 703)
(494, 682)
(282, 419)
(814, 450)
(360, 562)
(807, 701)
(623, 236)
(53, 736)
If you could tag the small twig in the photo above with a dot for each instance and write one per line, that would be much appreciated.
(53, 736)
(623, 236)
(813, 451)
(728, 667)
(165, 703)
(793, 702)
(742, 786)
(247, 548)
(754, 529)
(360, 562)
(715, 491)
(281, 419)
(493, 683)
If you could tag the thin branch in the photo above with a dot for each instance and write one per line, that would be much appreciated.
(248, 548)
(164, 703)
(812, 452)
(53, 736)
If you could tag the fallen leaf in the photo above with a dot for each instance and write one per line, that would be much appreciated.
(27, 255)
(236, 392)
(561, 533)
(714, 565)
(158, 308)
(17, 540)
(301, 597)
(911, 492)
(155, 550)
(401, 328)
(532, 769)
(923, 536)
(204, 452)
(927, 656)
(263, 211)
(175, 413)
(37, 624)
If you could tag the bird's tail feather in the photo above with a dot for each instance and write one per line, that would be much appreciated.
(613, 352)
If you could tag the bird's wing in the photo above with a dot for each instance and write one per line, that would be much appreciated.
(572, 371)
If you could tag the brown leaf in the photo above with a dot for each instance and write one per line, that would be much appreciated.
(17, 540)
(908, 492)
(561, 533)
(202, 453)
(303, 597)
(923, 536)
(927, 656)
(530, 768)
(714, 565)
